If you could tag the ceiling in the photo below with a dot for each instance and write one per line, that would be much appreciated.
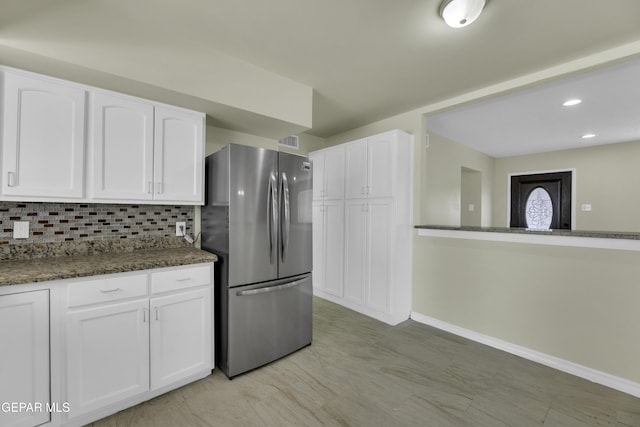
(534, 120)
(365, 59)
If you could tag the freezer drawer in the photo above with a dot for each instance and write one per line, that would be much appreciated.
(267, 321)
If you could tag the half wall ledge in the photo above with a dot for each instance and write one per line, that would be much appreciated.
(625, 241)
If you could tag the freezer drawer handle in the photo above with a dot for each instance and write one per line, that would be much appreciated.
(269, 289)
(109, 291)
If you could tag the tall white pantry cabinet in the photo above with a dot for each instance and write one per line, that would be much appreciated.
(363, 233)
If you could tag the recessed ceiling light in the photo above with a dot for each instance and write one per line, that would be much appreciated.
(571, 102)
(588, 136)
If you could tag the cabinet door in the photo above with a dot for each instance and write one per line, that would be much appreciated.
(179, 156)
(328, 246)
(318, 239)
(379, 255)
(334, 247)
(43, 143)
(122, 140)
(380, 165)
(356, 169)
(317, 160)
(180, 336)
(24, 358)
(334, 173)
(107, 354)
(355, 248)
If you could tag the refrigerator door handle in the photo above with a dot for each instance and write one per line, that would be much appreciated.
(272, 214)
(286, 217)
(269, 288)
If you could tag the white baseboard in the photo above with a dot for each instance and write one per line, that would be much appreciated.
(389, 319)
(612, 381)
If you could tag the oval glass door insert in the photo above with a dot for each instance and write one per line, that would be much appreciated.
(539, 209)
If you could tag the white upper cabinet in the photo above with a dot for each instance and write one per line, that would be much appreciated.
(122, 142)
(356, 169)
(381, 159)
(369, 165)
(328, 173)
(43, 140)
(138, 150)
(178, 156)
(142, 152)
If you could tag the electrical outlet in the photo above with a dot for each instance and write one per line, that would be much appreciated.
(21, 230)
(181, 228)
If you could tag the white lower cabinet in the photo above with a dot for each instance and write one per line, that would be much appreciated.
(368, 248)
(24, 359)
(180, 336)
(130, 337)
(328, 235)
(107, 354)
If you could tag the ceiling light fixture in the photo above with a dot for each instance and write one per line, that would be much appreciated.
(588, 136)
(571, 102)
(460, 13)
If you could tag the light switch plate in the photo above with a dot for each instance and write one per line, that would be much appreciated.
(21, 230)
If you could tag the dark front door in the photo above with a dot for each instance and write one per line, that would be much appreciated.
(541, 200)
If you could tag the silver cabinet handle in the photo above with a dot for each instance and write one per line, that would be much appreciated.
(150, 187)
(269, 288)
(11, 179)
(144, 315)
(157, 313)
(159, 188)
(185, 279)
(109, 291)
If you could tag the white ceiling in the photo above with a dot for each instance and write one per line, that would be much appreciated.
(365, 59)
(534, 120)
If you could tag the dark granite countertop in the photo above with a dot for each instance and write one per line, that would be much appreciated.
(40, 269)
(569, 233)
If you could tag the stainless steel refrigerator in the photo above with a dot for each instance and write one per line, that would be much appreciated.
(257, 219)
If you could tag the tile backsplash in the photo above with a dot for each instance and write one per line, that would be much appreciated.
(75, 222)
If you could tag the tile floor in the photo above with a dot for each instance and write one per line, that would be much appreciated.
(360, 372)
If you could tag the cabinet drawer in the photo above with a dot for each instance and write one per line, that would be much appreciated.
(182, 278)
(106, 290)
